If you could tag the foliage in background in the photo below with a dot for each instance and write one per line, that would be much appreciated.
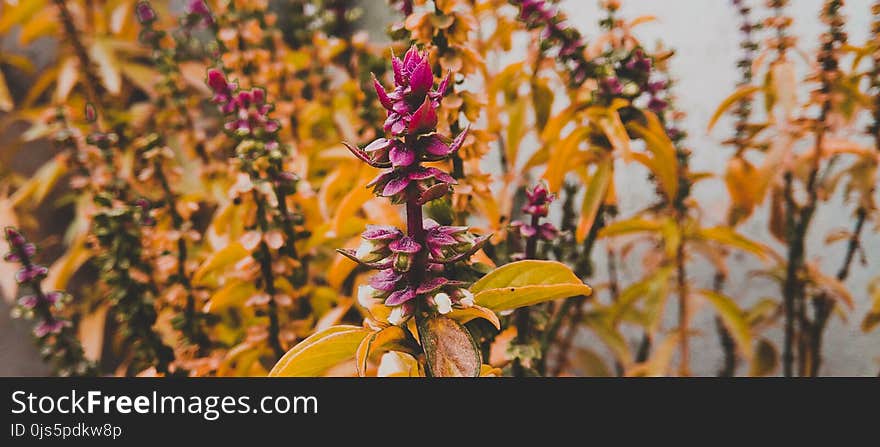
(205, 157)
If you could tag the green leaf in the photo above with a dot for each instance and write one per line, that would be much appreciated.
(734, 320)
(526, 283)
(320, 352)
(450, 351)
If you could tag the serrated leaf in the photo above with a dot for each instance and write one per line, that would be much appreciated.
(450, 351)
(526, 283)
(320, 351)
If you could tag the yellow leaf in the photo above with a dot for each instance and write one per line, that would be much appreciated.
(766, 359)
(609, 335)
(594, 196)
(609, 121)
(734, 320)
(232, 295)
(5, 98)
(91, 332)
(740, 94)
(469, 313)
(23, 12)
(68, 75)
(102, 54)
(450, 351)
(142, 76)
(40, 183)
(665, 164)
(67, 265)
(559, 162)
(872, 318)
(729, 237)
(516, 129)
(35, 29)
(220, 259)
(526, 283)
(382, 340)
(784, 84)
(659, 362)
(629, 226)
(320, 351)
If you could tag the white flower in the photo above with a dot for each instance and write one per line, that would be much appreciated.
(443, 303)
(397, 316)
(364, 249)
(366, 296)
(467, 299)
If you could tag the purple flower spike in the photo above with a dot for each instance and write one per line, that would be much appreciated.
(30, 273)
(145, 13)
(28, 301)
(50, 326)
(400, 296)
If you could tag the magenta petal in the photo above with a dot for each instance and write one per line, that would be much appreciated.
(421, 80)
(401, 155)
(381, 178)
(431, 285)
(378, 144)
(386, 280)
(527, 231)
(382, 94)
(381, 232)
(459, 140)
(397, 65)
(444, 85)
(424, 119)
(217, 81)
(397, 127)
(405, 244)
(28, 301)
(440, 239)
(435, 146)
(399, 297)
(395, 186)
(440, 175)
(53, 297)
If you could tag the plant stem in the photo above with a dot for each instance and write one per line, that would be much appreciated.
(683, 307)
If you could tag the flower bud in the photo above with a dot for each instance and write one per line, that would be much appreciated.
(443, 303)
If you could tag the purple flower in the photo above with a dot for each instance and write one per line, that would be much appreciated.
(538, 200)
(50, 326)
(612, 85)
(145, 13)
(412, 104)
(30, 273)
(639, 62)
(393, 183)
(200, 9)
(657, 105)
